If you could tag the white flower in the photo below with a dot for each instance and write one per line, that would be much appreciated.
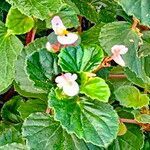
(117, 51)
(68, 84)
(63, 36)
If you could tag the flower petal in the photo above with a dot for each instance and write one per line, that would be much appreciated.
(119, 49)
(71, 90)
(57, 25)
(48, 46)
(119, 60)
(70, 38)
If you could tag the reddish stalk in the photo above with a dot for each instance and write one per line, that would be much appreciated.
(128, 121)
(80, 27)
(30, 36)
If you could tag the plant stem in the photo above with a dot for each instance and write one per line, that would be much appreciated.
(135, 23)
(118, 76)
(128, 121)
(80, 27)
(30, 36)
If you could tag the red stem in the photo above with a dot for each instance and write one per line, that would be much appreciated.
(30, 36)
(128, 121)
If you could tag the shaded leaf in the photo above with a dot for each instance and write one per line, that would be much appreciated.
(23, 85)
(9, 135)
(31, 106)
(9, 110)
(132, 140)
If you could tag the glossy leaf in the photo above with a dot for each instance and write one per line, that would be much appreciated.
(80, 58)
(39, 125)
(132, 140)
(14, 146)
(23, 84)
(137, 8)
(42, 67)
(94, 87)
(31, 106)
(18, 23)
(130, 96)
(89, 119)
(10, 47)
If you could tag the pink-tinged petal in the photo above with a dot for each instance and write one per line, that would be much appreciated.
(57, 25)
(119, 49)
(71, 90)
(48, 46)
(70, 38)
(119, 60)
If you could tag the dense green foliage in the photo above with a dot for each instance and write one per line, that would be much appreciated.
(39, 75)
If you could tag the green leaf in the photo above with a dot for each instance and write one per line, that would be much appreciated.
(137, 80)
(80, 58)
(122, 129)
(94, 87)
(138, 9)
(132, 140)
(18, 23)
(14, 146)
(42, 68)
(141, 118)
(145, 48)
(9, 110)
(130, 96)
(10, 47)
(31, 106)
(91, 120)
(68, 14)
(87, 9)
(36, 8)
(4, 7)
(91, 36)
(9, 135)
(43, 133)
(120, 33)
(23, 85)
